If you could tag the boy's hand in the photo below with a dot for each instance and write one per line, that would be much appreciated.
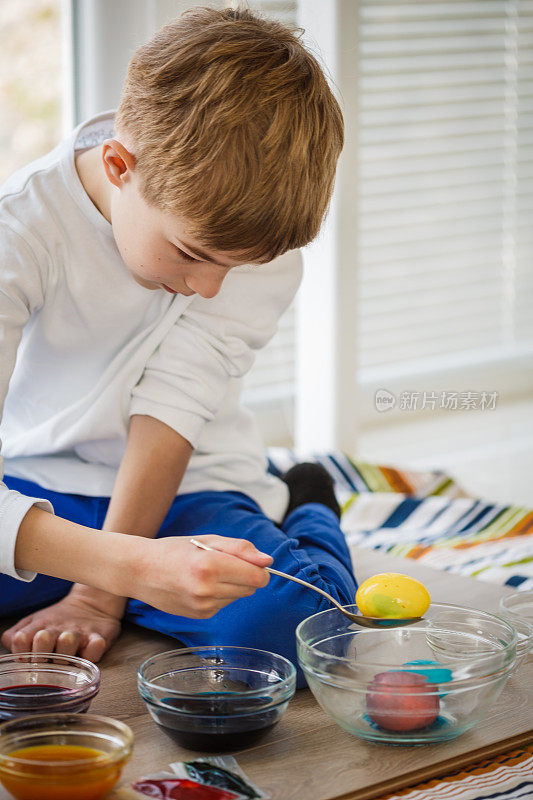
(71, 626)
(179, 578)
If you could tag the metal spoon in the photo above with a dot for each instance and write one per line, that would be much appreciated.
(364, 622)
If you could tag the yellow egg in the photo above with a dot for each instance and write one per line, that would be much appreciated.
(392, 595)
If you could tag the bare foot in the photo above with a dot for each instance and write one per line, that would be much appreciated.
(72, 627)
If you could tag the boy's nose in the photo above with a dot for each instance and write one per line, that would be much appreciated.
(206, 284)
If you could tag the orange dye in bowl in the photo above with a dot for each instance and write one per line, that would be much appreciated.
(60, 772)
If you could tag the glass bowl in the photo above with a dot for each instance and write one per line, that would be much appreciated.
(46, 683)
(216, 698)
(519, 604)
(517, 608)
(428, 682)
(62, 756)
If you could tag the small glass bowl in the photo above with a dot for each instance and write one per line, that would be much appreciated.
(428, 682)
(51, 773)
(519, 604)
(46, 683)
(517, 608)
(216, 698)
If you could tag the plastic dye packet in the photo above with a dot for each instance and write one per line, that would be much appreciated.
(209, 778)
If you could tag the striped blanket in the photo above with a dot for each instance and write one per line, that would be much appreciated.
(428, 517)
(503, 777)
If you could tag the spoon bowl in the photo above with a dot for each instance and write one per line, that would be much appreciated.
(359, 619)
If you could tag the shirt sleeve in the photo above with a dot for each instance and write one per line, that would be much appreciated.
(21, 294)
(186, 378)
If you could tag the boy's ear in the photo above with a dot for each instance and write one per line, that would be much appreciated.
(118, 162)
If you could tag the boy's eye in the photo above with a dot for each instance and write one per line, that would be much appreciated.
(186, 256)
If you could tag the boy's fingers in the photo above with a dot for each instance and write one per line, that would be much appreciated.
(95, 647)
(233, 570)
(21, 641)
(229, 591)
(241, 548)
(67, 643)
(8, 634)
(44, 641)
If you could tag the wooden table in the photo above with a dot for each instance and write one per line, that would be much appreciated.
(307, 756)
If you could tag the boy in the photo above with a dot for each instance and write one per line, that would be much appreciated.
(135, 285)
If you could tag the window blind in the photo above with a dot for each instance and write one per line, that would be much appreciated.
(445, 184)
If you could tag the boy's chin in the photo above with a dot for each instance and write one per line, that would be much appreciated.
(145, 283)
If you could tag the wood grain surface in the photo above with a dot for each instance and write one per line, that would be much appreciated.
(307, 756)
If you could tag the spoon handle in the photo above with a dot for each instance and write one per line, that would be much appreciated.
(331, 599)
(307, 585)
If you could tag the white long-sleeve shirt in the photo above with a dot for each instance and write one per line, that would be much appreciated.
(83, 347)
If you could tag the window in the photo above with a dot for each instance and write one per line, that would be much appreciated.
(445, 194)
(31, 81)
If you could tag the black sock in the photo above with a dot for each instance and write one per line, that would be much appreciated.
(310, 483)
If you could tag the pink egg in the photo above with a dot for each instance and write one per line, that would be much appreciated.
(400, 678)
(399, 701)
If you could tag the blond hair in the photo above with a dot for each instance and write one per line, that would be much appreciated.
(234, 127)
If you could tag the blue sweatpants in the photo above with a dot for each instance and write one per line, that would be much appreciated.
(309, 545)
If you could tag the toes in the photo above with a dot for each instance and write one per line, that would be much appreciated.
(44, 641)
(67, 643)
(95, 647)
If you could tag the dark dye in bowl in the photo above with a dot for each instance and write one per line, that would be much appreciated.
(29, 699)
(217, 698)
(46, 683)
(215, 721)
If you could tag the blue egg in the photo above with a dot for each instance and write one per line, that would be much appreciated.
(442, 675)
